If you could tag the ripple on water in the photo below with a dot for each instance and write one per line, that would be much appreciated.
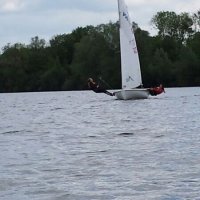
(126, 134)
(84, 146)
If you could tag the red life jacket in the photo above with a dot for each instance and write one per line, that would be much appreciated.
(156, 90)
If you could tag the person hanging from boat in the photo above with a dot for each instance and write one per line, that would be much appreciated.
(156, 90)
(96, 88)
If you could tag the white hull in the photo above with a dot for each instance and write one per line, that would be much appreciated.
(132, 94)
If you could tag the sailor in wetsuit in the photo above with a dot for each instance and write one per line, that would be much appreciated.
(96, 88)
(156, 90)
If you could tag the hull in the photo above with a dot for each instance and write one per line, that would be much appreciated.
(132, 94)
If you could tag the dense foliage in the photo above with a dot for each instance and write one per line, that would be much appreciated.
(66, 61)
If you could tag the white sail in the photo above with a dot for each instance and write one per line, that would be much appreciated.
(130, 65)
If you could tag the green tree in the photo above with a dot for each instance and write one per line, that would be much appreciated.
(145, 49)
(53, 79)
(194, 44)
(37, 43)
(196, 21)
(187, 68)
(97, 56)
(160, 70)
(170, 24)
(11, 68)
(65, 62)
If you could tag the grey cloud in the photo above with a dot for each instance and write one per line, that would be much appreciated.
(46, 18)
(84, 5)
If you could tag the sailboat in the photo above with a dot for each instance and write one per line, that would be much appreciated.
(130, 64)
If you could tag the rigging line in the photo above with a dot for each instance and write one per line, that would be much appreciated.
(105, 82)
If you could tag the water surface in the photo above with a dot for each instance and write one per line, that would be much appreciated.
(88, 146)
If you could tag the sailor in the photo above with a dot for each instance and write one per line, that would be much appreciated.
(156, 90)
(96, 88)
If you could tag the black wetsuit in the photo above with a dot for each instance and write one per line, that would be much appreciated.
(152, 92)
(95, 87)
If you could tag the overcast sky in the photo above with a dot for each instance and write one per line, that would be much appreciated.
(20, 20)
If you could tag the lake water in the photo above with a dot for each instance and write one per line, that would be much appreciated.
(88, 146)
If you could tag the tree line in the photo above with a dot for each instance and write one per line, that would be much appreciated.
(171, 57)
